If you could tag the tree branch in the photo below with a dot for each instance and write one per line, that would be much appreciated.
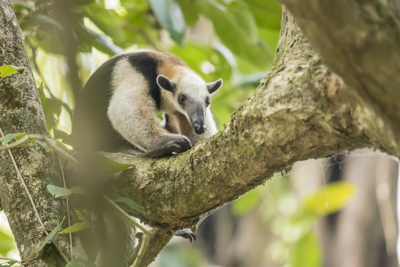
(302, 110)
(359, 40)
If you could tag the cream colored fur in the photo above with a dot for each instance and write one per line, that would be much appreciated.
(133, 112)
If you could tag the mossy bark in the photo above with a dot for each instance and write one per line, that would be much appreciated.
(21, 111)
(360, 41)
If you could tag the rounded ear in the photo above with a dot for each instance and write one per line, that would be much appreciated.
(214, 87)
(165, 83)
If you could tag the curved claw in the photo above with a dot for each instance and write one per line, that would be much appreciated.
(187, 234)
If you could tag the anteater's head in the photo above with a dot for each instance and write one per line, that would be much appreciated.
(191, 96)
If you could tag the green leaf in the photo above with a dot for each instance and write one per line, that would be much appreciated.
(82, 215)
(169, 15)
(329, 199)
(7, 241)
(7, 138)
(77, 227)
(236, 27)
(268, 13)
(190, 11)
(39, 19)
(81, 2)
(105, 20)
(107, 165)
(50, 236)
(7, 70)
(44, 144)
(132, 204)
(42, 97)
(246, 203)
(59, 134)
(57, 192)
(306, 252)
(80, 263)
(101, 42)
(8, 264)
(112, 166)
(80, 191)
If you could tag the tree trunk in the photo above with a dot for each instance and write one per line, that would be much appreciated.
(21, 111)
(301, 110)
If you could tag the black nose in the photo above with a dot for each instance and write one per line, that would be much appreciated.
(199, 128)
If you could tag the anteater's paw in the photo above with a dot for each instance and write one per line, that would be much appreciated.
(187, 234)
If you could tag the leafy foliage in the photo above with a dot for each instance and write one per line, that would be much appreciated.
(169, 14)
(132, 204)
(77, 227)
(9, 137)
(7, 240)
(7, 70)
(50, 236)
(329, 199)
(8, 264)
(306, 252)
(57, 192)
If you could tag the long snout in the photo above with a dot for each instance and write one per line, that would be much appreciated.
(198, 119)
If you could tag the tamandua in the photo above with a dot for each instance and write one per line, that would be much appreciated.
(130, 89)
(118, 108)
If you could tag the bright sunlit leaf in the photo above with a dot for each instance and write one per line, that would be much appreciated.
(7, 241)
(77, 227)
(306, 252)
(7, 70)
(329, 199)
(246, 203)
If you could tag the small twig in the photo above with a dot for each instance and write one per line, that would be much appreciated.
(9, 259)
(27, 191)
(67, 200)
(134, 252)
(142, 250)
(146, 232)
(48, 141)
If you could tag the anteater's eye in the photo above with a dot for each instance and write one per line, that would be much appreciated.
(181, 98)
(208, 101)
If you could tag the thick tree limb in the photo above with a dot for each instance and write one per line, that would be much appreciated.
(359, 40)
(300, 111)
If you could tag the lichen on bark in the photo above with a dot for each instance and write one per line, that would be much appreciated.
(21, 111)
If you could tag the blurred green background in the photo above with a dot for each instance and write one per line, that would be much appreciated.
(282, 223)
